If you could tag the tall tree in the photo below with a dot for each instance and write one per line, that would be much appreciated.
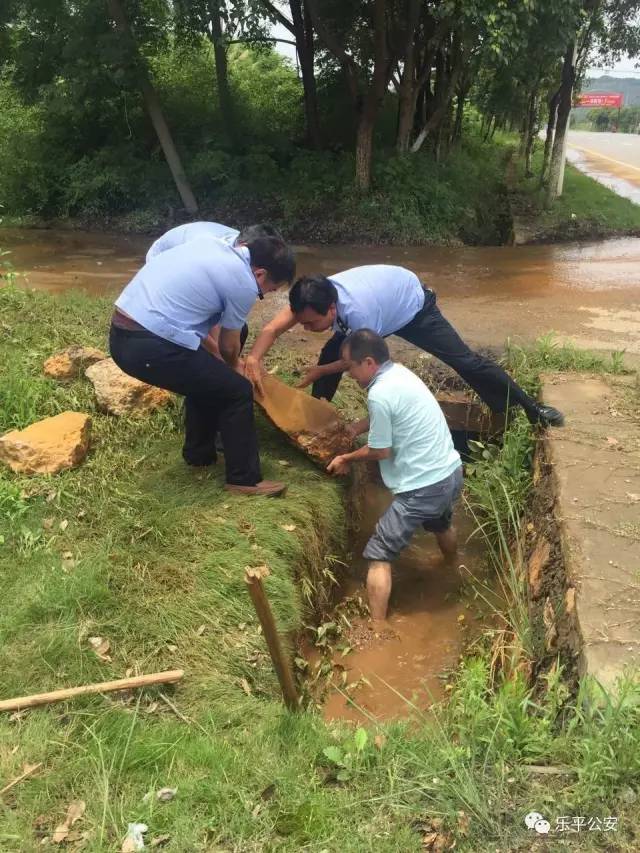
(301, 27)
(152, 103)
(222, 22)
(356, 35)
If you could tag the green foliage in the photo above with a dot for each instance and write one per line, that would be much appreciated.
(24, 186)
(627, 120)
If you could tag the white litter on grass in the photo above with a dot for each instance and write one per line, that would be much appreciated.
(134, 839)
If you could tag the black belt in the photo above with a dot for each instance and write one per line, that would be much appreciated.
(121, 321)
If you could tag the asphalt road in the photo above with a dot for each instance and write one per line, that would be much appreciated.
(611, 158)
(621, 147)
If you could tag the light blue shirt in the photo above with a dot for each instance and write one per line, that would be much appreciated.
(380, 297)
(181, 293)
(405, 416)
(192, 231)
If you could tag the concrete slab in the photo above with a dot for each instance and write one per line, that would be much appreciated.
(596, 460)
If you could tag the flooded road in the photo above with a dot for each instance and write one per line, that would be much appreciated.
(588, 293)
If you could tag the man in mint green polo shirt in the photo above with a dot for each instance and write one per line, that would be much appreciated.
(409, 437)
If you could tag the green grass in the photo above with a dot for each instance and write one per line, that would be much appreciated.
(138, 549)
(586, 209)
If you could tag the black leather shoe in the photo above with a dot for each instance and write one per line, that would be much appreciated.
(546, 416)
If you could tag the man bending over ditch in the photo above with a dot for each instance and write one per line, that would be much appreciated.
(409, 436)
(159, 325)
(392, 301)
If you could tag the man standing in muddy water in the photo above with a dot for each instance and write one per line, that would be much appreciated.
(390, 300)
(158, 327)
(409, 437)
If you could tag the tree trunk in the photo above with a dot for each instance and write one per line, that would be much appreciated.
(442, 104)
(154, 109)
(457, 125)
(408, 94)
(222, 73)
(364, 150)
(531, 131)
(303, 31)
(551, 129)
(556, 166)
(406, 113)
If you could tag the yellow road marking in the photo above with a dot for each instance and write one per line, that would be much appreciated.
(604, 157)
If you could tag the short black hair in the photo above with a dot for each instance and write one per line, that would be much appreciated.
(313, 291)
(263, 229)
(366, 343)
(273, 255)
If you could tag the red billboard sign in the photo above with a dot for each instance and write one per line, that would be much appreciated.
(600, 99)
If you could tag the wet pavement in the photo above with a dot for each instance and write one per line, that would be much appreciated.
(613, 159)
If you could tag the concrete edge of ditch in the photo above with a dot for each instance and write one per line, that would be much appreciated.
(547, 555)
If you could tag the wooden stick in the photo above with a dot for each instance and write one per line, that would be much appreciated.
(282, 666)
(24, 775)
(169, 677)
(548, 770)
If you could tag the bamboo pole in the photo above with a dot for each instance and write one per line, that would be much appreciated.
(169, 677)
(254, 578)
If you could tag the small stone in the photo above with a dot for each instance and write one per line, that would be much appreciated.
(570, 601)
(48, 446)
(69, 363)
(120, 394)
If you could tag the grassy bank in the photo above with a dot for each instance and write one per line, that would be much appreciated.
(586, 210)
(139, 550)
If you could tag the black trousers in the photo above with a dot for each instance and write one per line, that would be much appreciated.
(216, 399)
(431, 332)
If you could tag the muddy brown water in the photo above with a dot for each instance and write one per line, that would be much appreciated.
(433, 618)
(588, 293)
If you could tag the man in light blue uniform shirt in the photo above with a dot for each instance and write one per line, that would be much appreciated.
(389, 300)
(215, 230)
(193, 231)
(160, 322)
(409, 437)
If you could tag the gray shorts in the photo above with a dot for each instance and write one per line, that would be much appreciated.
(431, 508)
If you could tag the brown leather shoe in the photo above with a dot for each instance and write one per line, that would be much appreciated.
(265, 488)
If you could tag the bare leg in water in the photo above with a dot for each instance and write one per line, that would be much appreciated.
(448, 544)
(379, 589)
(379, 575)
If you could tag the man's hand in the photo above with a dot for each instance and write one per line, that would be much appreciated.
(356, 428)
(240, 367)
(254, 371)
(312, 375)
(339, 465)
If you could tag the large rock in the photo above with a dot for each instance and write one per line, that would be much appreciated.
(315, 426)
(69, 363)
(120, 394)
(48, 446)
